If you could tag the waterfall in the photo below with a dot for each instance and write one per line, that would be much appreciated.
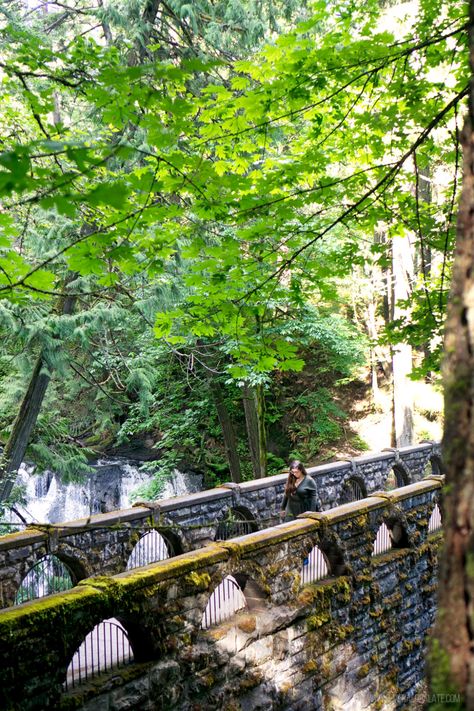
(108, 487)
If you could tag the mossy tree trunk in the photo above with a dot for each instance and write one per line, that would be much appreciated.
(15, 447)
(228, 430)
(254, 407)
(452, 649)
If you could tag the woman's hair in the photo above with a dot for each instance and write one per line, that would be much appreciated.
(290, 487)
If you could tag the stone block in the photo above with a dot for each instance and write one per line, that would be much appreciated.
(131, 696)
(297, 644)
(100, 703)
(275, 619)
(237, 664)
(280, 645)
(15, 555)
(258, 652)
(163, 673)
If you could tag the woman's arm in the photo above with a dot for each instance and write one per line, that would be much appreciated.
(311, 494)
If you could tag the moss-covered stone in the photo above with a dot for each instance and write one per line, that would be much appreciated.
(200, 581)
(310, 667)
(247, 623)
(363, 671)
(318, 619)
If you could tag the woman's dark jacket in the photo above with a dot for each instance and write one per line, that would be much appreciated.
(304, 499)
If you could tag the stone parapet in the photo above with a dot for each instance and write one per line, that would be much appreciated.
(355, 638)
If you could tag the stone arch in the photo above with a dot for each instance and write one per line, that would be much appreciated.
(76, 566)
(398, 527)
(173, 540)
(150, 548)
(353, 489)
(105, 647)
(316, 566)
(153, 545)
(391, 533)
(320, 557)
(382, 542)
(236, 521)
(139, 635)
(397, 476)
(47, 576)
(237, 591)
(332, 548)
(435, 522)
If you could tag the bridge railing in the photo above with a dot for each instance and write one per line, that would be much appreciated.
(104, 543)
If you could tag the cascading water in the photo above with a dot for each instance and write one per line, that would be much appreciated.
(109, 487)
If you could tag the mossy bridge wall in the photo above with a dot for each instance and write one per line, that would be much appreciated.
(102, 544)
(355, 639)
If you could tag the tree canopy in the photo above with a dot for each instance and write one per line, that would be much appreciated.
(165, 168)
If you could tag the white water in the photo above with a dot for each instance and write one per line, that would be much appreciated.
(48, 500)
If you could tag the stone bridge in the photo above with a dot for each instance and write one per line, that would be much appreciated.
(352, 639)
(347, 636)
(102, 544)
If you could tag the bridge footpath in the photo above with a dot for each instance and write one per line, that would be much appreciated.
(333, 608)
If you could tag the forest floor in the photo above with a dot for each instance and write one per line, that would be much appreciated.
(369, 423)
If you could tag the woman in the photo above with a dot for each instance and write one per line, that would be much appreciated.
(300, 492)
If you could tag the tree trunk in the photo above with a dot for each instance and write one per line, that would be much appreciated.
(262, 429)
(402, 396)
(402, 362)
(371, 326)
(228, 432)
(424, 257)
(15, 448)
(451, 658)
(396, 286)
(105, 26)
(254, 408)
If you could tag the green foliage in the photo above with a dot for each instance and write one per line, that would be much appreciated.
(154, 488)
(316, 422)
(276, 464)
(340, 347)
(173, 174)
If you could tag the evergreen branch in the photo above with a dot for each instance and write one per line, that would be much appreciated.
(58, 22)
(95, 383)
(67, 8)
(48, 292)
(180, 22)
(66, 248)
